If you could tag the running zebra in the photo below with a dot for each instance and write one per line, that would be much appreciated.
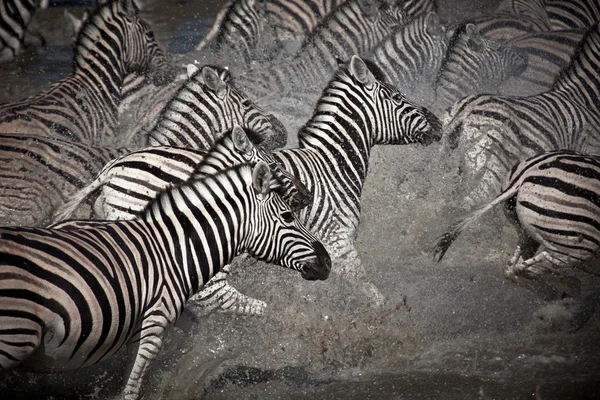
(84, 106)
(496, 132)
(120, 283)
(411, 56)
(40, 173)
(254, 30)
(475, 64)
(548, 53)
(355, 28)
(553, 201)
(129, 183)
(15, 16)
(355, 112)
(573, 14)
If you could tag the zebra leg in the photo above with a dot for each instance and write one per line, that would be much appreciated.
(218, 293)
(143, 349)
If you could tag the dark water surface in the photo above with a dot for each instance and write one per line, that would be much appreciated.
(454, 330)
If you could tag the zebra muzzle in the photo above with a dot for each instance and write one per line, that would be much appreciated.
(319, 267)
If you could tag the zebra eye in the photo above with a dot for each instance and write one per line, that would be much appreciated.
(398, 97)
(287, 216)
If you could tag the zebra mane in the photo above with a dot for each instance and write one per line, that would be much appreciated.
(583, 47)
(99, 14)
(452, 42)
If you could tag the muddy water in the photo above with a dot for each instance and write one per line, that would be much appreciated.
(454, 330)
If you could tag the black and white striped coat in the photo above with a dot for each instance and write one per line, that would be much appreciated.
(72, 296)
(112, 43)
(496, 132)
(572, 14)
(15, 17)
(553, 200)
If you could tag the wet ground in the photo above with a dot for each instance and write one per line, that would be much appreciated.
(454, 330)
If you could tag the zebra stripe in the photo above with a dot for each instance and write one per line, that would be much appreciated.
(475, 64)
(354, 28)
(496, 132)
(126, 282)
(553, 199)
(573, 14)
(15, 16)
(128, 183)
(83, 106)
(548, 53)
(39, 174)
(411, 56)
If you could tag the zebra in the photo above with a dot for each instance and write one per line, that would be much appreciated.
(548, 53)
(258, 30)
(475, 64)
(39, 173)
(552, 200)
(83, 106)
(411, 56)
(129, 183)
(495, 132)
(573, 14)
(120, 283)
(353, 29)
(15, 17)
(355, 112)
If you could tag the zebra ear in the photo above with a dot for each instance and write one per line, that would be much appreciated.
(475, 42)
(360, 71)
(129, 7)
(261, 178)
(214, 82)
(240, 140)
(191, 70)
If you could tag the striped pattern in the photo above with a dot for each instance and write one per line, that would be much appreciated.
(83, 106)
(39, 174)
(573, 14)
(411, 56)
(353, 29)
(496, 132)
(553, 199)
(128, 183)
(548, 53)
(15, 16)
(475, 64)
(126, 282)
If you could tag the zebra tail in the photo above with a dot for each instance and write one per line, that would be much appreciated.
(446, 240)
(214, 30)
(66, 210)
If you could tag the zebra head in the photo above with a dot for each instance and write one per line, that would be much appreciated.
(236, 147)
(278, 236)
(123, 41)
(215, 82)
(394, 119)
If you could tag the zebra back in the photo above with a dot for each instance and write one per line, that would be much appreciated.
(475, 64)
(412, 55)
(532, 9)
(128, 183)
(573, 14)
(126, 282)
(548, 53)
(39, 174)
(15, 16)
(112, 42)
(207, 105)
(581, 79)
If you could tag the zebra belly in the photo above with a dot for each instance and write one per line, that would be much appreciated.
(565, 225)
